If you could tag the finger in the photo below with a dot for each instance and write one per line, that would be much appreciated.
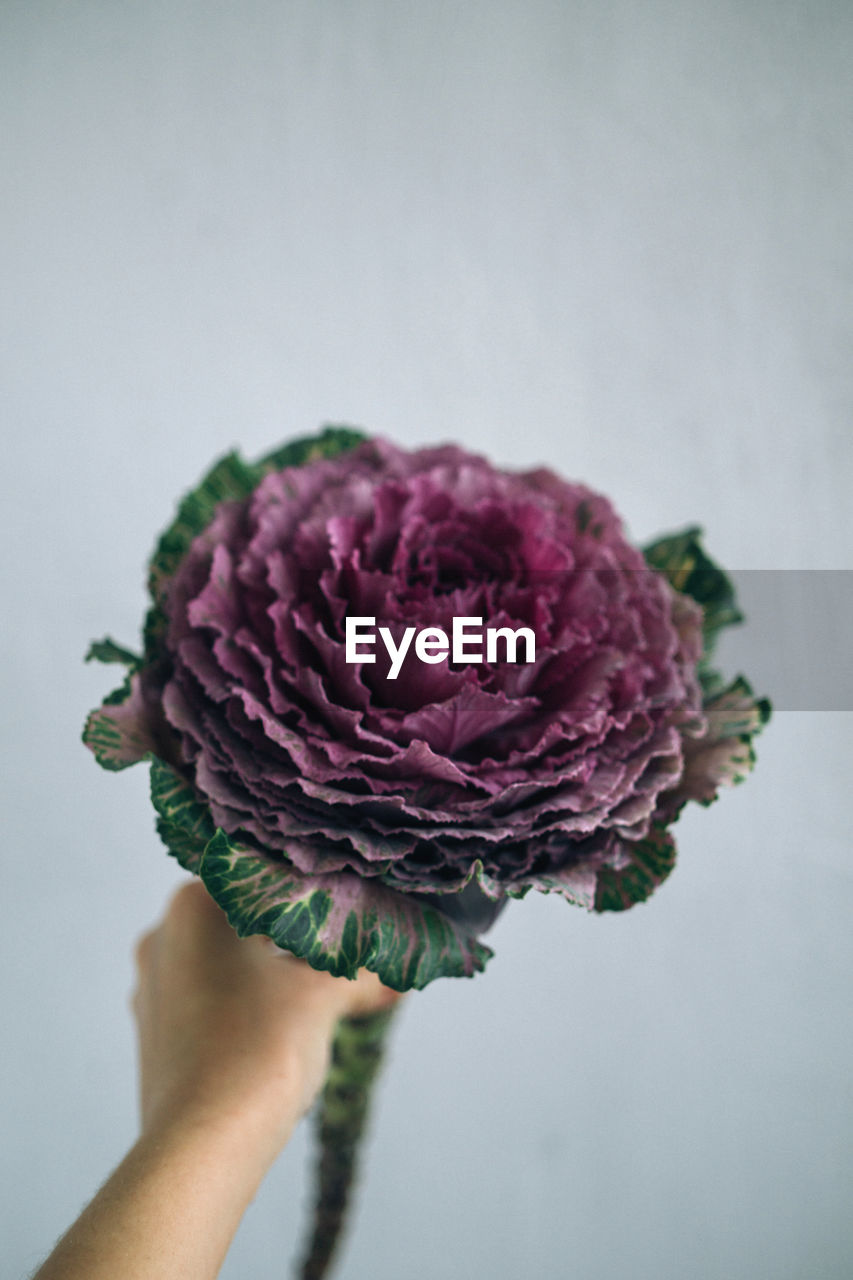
(369, 995)
(195, 929)
(343, 997)
(191, 901)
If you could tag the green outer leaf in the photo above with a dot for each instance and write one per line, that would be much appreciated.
(184, 823)
(651, 861)
(329, 444)
(339, 922)
(107, 650)
(230, 479)
(725, 753)
(683, 562)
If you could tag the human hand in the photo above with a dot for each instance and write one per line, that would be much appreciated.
(233, 1032)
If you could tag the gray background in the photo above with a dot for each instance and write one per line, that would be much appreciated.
(611, 237)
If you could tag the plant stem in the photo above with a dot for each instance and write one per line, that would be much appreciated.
(344, 1104)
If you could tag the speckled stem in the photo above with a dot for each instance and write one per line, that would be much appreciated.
(356, 1057)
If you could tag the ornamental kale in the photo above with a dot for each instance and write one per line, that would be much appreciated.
(359, 819)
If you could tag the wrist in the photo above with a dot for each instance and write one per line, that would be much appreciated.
(246, 1116)
(209, 1139)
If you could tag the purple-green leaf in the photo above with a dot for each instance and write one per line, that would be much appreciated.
(119, 732)
(340, 922)
(647, 863)
(725, 754)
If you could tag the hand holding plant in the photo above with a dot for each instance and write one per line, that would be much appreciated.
(233, 1031)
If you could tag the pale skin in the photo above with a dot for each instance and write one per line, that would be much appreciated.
(234, 1043)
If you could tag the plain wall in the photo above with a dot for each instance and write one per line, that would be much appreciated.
(610, 237)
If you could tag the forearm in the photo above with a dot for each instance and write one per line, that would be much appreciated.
(234, 1045)
(169, 1211)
